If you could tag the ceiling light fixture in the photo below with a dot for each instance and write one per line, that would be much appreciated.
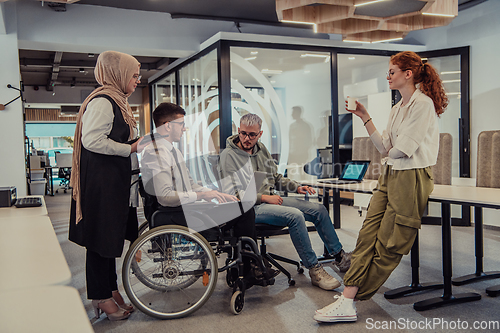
(254, 52)
(387, 40)
(250, 58)
(451, 72)
(351, 58)
(271, 71)
(437, 14)
(314, 55)
(453, 93)
(315, 26)
(450, 81)
(367, 3)
(355, 41)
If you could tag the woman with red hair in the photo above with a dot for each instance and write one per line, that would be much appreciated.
(409, 147)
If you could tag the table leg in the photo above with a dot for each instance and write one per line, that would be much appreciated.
(415, 285)
(493, 291)
(478, 239)
(448, 298)
(51, 178)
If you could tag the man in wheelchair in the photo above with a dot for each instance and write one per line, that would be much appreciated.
(172, 197)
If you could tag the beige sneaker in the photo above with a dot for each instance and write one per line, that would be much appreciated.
(345, 263)
(321, 278)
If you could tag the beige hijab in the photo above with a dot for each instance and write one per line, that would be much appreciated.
(113, 72)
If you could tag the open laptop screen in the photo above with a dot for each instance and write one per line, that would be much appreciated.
(354, 170)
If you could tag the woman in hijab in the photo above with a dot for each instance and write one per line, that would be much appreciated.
(102, 216)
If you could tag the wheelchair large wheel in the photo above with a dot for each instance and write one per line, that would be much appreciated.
(169, 272)
(143, 228)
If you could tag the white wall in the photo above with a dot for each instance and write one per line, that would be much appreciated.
(12, 171)
(478, 27)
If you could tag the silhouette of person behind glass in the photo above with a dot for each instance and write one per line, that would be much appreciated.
(300, 139)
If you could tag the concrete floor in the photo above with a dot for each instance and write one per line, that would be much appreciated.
(281, 308)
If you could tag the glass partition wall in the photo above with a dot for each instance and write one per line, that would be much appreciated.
(299, 93)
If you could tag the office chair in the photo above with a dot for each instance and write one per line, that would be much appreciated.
(64, 162)
(263, 231)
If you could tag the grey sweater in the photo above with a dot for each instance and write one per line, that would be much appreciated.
(238, 166)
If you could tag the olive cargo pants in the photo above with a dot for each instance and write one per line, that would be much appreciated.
(389, 230)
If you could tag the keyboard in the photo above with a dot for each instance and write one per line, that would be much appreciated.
(28, 202)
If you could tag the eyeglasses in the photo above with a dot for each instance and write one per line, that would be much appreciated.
(391, 73)
(251, 135)
(137, 78)
(183, 124)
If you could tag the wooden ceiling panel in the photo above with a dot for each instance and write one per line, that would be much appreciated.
(338, 16)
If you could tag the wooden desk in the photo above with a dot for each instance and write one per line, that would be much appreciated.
(51, 309)
(30, 254)
(8, 212)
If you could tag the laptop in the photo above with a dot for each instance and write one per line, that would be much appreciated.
(353, 172)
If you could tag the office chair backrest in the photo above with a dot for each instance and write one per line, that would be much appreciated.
(63, 160)
(488, 159)
(364, 149)
(442, 169)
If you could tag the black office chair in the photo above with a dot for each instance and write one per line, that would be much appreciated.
(263, 231)
(65, 175)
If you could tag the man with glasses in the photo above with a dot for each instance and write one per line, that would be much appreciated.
(243, 155)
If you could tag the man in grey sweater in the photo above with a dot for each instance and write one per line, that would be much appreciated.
(243, 155)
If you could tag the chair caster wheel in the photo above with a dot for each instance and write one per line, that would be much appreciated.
(237, 302)
(300, 270)
(291, 282)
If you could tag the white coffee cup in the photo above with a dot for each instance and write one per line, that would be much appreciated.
(351, 103)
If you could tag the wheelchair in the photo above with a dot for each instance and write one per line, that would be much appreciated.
(170, 271)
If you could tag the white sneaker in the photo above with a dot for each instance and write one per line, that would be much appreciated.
(343, 309)
(321, 278)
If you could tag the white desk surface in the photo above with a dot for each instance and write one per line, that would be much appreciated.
(8, 212)
(50, 309)
(30, 254)
(366, 186)
(466, 194)
(450, 193)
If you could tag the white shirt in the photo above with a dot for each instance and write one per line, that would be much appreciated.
(412, 129)
(97, 122)
(169, 180)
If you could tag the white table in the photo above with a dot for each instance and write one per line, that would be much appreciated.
(30, 254)
(479, 197)
(8, 212)
(50, 309)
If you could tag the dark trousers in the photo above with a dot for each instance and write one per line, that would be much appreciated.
(243, 225)
(101, 276)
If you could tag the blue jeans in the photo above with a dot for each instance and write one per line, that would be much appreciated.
(293, 213)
